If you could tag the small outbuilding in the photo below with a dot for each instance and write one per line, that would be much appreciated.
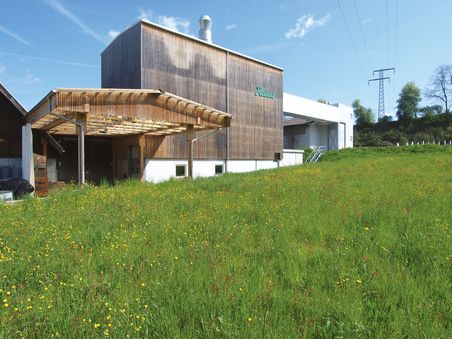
(11, 120)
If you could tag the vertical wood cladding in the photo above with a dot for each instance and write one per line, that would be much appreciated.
(199, 72)
(121, 61)
(10, 130)
(256, 131)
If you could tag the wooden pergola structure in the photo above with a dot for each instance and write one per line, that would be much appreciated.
(122, 112)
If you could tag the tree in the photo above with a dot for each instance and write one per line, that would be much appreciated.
(363, 115)
(429, 111)
(385, 119)
(322, 101)
(440, 86)
(407, 104)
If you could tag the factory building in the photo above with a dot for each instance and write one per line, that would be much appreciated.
(172, 105)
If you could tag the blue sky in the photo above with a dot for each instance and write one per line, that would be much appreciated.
(326, 53)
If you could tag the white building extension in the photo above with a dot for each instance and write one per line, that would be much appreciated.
(309, 123)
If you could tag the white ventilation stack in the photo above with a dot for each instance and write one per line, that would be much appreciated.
(206, 24)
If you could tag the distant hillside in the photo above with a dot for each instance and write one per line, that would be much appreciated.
(389, 133)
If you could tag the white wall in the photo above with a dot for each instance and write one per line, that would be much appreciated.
(318, 135)
(292, 157)
(332, 114)
(157, 170)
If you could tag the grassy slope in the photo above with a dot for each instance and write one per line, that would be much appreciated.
(356, 248)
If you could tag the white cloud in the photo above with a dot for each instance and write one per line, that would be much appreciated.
(305, 24)
(145, 14)
(113, 34)
(59, 8)
(28, 79)
(230, 27)
(176, 24)
(15, 36)
(2, 68)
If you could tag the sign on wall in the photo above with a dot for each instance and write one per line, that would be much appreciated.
(262, 92)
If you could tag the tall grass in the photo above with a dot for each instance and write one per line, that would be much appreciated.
(357, 248)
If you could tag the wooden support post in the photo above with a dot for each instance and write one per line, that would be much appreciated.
(44, 144)
(142, 144)
(190, 150)
(81, 131)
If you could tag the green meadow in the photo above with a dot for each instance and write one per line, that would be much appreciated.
(358, 245)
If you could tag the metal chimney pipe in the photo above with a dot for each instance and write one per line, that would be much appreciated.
(206, 24)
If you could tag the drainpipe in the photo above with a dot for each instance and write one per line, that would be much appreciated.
(190, 147)
(227, 110)
(81, 157)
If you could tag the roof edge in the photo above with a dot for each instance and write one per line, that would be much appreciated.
(149, 23)
(13, 100)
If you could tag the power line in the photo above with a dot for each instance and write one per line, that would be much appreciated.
(396, 31)
(387, 29)
(377, 31)
(362, 34)
(351, 38)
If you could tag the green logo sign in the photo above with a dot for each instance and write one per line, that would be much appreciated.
(262, 92)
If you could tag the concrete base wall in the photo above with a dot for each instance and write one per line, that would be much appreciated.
(162, 170)
(292, 158)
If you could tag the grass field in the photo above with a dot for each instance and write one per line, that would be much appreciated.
(358, 245)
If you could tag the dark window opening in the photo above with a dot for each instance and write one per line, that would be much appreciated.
(180, 170)
(218, 169)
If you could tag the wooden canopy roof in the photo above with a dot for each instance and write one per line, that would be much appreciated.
(114, 112)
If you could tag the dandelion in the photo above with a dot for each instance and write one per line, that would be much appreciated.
(96, 325)
(358, 281)
(250, 319)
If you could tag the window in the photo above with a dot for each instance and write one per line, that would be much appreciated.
(218, 169)
(180, 170)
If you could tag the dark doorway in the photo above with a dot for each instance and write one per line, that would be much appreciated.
(98, 160)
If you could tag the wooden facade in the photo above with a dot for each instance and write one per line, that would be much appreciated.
(11, 121)
(149, 56)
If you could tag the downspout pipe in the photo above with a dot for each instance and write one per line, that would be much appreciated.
(81, 170)
(192, 141)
